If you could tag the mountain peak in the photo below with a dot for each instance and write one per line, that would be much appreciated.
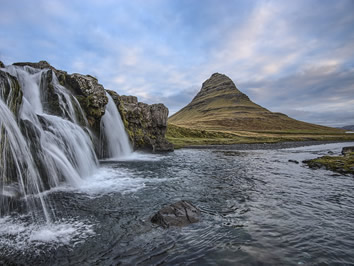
(219, 86)
(219, 105)
(218, 81)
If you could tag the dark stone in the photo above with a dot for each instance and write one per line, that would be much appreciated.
(91, 96)
(181, 213)
(146, 124)
(10, 91)
(40, 65)
(293, 161)
(347, 150)
(2, 64)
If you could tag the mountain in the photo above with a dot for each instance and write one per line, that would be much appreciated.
(350, 127)
(219, 105)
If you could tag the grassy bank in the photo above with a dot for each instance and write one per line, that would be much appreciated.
(341, 164)
(183, 136)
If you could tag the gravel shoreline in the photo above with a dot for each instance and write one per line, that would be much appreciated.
(264, 146)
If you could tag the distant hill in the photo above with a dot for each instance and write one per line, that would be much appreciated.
(219, 105)
(351, 127)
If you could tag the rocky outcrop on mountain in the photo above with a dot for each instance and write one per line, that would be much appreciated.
(181, 213)
(146, 124)
(2, 64)
(220, 106)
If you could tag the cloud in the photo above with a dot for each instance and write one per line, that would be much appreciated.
(287, 55)
(323, 91)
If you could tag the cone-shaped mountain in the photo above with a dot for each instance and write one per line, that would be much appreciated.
(219, 105)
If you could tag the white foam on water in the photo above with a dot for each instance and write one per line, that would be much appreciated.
(136, 156)
(21, 235)
(109, 180)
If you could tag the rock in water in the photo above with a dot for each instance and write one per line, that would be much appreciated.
(347, 150)
(181, 213)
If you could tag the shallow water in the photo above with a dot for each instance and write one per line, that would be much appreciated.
(257, 208)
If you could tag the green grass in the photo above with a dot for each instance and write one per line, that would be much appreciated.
(221, 114)
(230, 110)
(341, 164)
(183, 136)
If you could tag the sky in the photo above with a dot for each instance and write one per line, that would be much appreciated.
(294, 57)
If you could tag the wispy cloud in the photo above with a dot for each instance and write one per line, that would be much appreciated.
(294, 57)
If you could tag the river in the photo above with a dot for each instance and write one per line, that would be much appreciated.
(257, 209)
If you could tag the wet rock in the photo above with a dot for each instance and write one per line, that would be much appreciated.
(91, 96)
(41, 65)
(347, 150)
(10, 91)
(181, 213)
(293, 161)
(146, 124)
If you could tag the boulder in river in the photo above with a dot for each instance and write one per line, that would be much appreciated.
(347, 150)
(181, 213)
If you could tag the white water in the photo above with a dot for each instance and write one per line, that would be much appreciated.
(26, 173)
(21, 235)
(63, 150)
(114, 141)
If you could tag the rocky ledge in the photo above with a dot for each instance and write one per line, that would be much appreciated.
(146, 124)
(341, 164)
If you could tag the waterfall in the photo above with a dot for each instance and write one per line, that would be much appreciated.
(18, 174)
(114, 139)
(51, 148)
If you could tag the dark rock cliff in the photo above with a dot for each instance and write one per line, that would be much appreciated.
(146, 124)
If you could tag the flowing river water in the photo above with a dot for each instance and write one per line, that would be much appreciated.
(257, 209)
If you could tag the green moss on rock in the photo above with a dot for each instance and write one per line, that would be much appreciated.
(341, 164)
(145, 124)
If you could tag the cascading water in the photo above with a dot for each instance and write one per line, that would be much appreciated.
(114, 139)
(18, 172)
(50, 149)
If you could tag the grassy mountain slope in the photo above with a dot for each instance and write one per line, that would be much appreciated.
(219, 105)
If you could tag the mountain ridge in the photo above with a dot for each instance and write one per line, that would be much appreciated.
(220, 105)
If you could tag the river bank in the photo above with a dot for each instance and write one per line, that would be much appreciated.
(264, 146)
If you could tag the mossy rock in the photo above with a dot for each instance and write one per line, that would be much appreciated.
(341, 164)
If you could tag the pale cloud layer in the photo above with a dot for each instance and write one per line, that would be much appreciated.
(295, 57)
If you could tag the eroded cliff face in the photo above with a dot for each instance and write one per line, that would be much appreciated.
(146, 124)
(85, 88)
